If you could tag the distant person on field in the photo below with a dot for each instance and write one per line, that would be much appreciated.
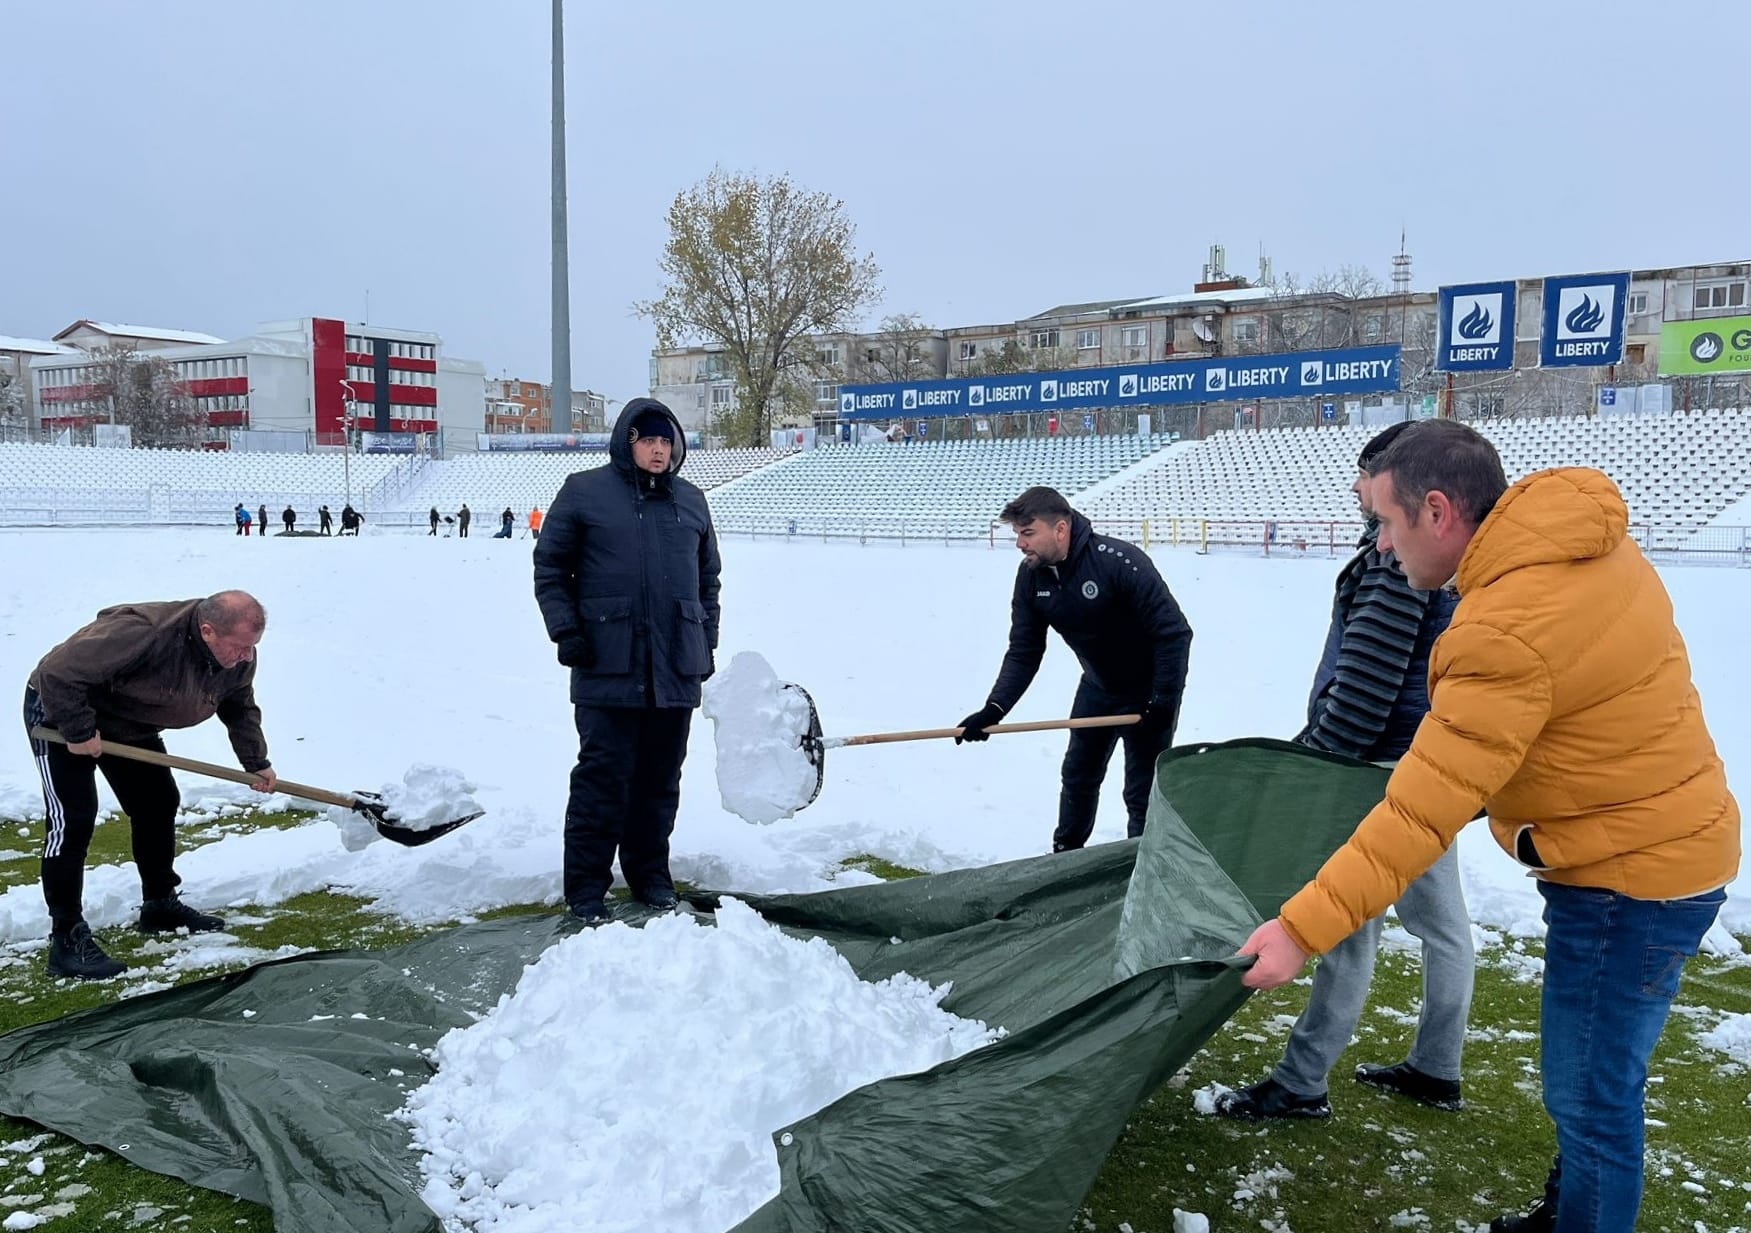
(134, 671)
(1369, 694)
(507, 522)
(350, 519)
(242, 517)
(289, 516)
(327, 521)
(1561, 701)
(462, 518)
(535, 522)
(1108, 602)
(261, 520)
(434, 520)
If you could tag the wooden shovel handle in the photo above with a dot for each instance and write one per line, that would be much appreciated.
(210, 769)
(1037, 725)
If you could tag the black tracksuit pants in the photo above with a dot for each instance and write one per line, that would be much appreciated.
(147, 795)
(1085, 766)
(625, 790)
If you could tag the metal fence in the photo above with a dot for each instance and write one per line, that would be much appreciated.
(1263, 537)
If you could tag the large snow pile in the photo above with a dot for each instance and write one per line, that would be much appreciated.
(763, 773)
(638, 1075)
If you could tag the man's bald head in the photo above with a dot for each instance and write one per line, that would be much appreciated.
(232, 612)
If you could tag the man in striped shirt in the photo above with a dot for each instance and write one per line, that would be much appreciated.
(1369, 695)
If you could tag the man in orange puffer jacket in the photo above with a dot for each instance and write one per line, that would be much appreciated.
(1561, 700)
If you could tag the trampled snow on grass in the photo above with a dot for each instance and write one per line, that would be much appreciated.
(638, 1075)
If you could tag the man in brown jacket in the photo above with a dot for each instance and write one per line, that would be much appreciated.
(1562, 701)
(133, 672)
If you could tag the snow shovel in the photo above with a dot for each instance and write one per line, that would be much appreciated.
(815, 745)
(370, 804)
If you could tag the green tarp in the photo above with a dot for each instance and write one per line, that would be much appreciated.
(1109, 968)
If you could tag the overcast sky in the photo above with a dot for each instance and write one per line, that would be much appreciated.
(209, 164)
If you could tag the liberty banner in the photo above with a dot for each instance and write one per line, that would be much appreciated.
(1583, 320)
(1302, 374)
(1476, 327)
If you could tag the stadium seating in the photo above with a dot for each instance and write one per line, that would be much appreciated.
(1677, 473)
(41, 483)
(950, 488)
(518, 481)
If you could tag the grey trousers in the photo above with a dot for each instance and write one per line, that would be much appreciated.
(1433, 909)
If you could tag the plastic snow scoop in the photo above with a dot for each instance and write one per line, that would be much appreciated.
(815, 745)
(370, 804)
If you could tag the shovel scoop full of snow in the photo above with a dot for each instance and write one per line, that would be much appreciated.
(418, 811)
(429, 802)
(768, 737)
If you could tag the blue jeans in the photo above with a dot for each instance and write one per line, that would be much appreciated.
(1611, 969)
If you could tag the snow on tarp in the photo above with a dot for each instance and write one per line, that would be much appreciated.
(521, 1133)
(292, 1104)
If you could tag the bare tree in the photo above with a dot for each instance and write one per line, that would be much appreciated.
(1321, 312)
(757, 265)
(141, 391)
(1013, 356)
(11, 397)
(899, 350)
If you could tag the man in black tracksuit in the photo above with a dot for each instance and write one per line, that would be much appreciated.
(626, 574)
(1109, 604)
(134, 671)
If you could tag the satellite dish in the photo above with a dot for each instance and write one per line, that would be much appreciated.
(1201, 328)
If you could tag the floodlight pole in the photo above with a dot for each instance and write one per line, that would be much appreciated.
(561, 388)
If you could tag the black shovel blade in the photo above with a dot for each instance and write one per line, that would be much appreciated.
(373, 807)
(814, 747)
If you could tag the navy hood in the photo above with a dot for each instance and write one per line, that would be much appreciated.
(620, 440)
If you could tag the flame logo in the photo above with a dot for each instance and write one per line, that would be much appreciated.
(1585, 317)
(1477, 323)
(1706, 348)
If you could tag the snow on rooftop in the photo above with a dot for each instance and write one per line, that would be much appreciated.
(1233, 295)
(120, 330)
(34, 346)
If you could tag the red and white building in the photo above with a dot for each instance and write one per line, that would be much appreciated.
(310, 375)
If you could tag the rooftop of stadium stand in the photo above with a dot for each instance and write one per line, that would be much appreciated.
(34, 346)
(159, 333)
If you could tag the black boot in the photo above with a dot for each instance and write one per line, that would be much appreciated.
(593, 912)
(1269, 1099)
(1406, 1080)
(76, 953)
(662, 898)
(169, 914)
(1539, 1218)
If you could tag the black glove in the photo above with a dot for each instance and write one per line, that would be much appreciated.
(1161, 714)
(973, 726)
(574, 652)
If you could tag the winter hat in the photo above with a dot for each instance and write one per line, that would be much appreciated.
(653, 423)
(1377, 445)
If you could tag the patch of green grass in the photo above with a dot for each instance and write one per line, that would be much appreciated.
(1380, 1157)
(887, 871)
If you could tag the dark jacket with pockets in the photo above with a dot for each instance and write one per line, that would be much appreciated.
(1371, 690)
(1108, 602)
(628, 562)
